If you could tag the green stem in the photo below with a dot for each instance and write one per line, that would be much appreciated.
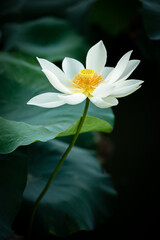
(36, 204)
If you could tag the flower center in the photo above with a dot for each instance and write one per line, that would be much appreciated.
(86, 81)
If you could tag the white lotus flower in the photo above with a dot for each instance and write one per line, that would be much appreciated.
(102, 85)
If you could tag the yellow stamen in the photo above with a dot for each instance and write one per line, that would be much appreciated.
(86, 81)
(86, 72)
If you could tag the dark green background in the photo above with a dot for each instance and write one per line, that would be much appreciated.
(131, 152)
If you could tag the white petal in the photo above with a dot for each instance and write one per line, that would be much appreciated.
(46, 100)
(119, 68)
(55, 82)
(128, 82)
(71, 67)
(104, 102)
(124, 95)
(106, 71)
(46, 65)
(96, 57)
(126, 87)
(103, 90)
(132, 64)
(73, 98)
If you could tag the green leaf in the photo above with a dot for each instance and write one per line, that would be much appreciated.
(22, 124)
(13, 172)
(151, 16)
(48, 37)
(81, 196)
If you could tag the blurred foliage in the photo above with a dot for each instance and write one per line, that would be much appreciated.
(13, 176)
(56, 39)
(80, 198)
(24, 10)
(112, 16)
(151, 14)
(149, 36)
(75, 11)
